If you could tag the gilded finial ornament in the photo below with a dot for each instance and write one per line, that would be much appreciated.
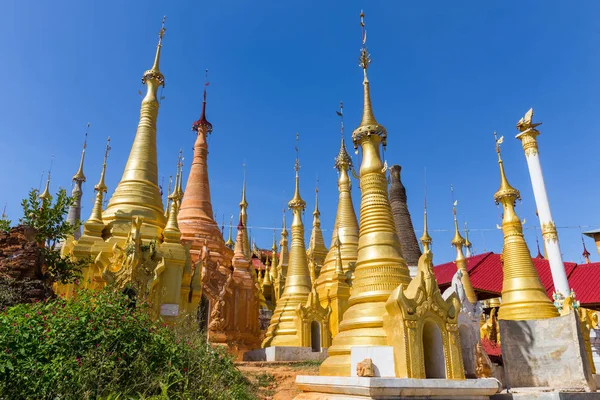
(154, 72)
(528, 133)
(343, 159)
(46, 193)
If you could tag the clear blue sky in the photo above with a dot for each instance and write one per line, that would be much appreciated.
(444, 76)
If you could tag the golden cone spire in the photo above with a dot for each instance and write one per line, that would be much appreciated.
(100, 189)
(425, 238)
(283, 330)
(171, 232)
(138, 193)
(461, 263)
(380, 267)
(244, 218)
(316, 247)
(333, 286)
(523, 295)
(46, 193)
(230, 243)
(79, 176)
(168, 207)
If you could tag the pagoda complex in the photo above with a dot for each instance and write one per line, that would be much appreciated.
(131, 244)
(333, 283)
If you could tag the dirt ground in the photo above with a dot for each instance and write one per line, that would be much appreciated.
(276, 380)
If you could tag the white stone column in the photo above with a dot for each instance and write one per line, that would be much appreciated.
(528, 140)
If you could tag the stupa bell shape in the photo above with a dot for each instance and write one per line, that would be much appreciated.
(284, 329)
(316, 248)
(380, 267)
(333, 286)
(138, 194)
(523, 295)
(196, 219)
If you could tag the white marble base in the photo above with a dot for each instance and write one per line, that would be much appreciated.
(346, 388)
(543, 394)
(382, 357)
(284, 353)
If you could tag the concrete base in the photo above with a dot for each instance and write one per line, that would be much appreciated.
(546, 353)
(281, 353)
(543, 394)
(350, 388)
(382, 357)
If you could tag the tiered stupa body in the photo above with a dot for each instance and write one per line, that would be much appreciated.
(404, 226)
(380, 267)
(283, 330)
(74, 215)
(333, 286)
(131, 242)
(316, 248)
(523, 295)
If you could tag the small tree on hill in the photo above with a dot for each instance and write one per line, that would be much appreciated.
(47, 217)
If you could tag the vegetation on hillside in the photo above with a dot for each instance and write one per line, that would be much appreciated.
(101, 346)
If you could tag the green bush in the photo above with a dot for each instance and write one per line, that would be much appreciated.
(100, 346)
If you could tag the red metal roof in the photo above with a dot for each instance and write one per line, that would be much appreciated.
(584, 280)
(485, 271)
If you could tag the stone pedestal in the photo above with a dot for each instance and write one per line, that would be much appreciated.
(382, 357)
(547, 353)
(347, 388)
(285, 353)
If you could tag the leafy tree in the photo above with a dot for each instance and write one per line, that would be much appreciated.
(4, 224)
(47, 217)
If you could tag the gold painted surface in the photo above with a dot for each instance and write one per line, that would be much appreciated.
(461, 263)
(131, 243)
(380, 267)
(282, 265)
(549, 232)
(412, 311)
(284, 328)
(523, 295)
(316, 247)
(138, 194)
(333, 285)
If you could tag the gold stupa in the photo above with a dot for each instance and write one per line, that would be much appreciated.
(461, 263)
(316, 247)
(131, 243)
(380, 267)
(334, 285)
(283, 261)
(523, 295)
(291, 321)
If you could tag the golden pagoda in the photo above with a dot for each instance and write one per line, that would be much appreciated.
(461, 263)
(131, 243)
(333, 284)
(275, 282)
(523, 295)
(380, 267)
(316, 248)
(282, 264)
(267, 285)
(292, 319)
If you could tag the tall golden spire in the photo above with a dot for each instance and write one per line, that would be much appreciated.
(168, 207)
(171, 231)
(283, 330)
(523, 295)
(138, 193)
(282, 265)
(425, 238)
(100, 189)
(461, 263)
(46, 193)
(380, 267)
(316, 247)
(333, 286)
(468, 244)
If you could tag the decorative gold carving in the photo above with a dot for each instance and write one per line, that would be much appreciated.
(483, 366)
(549, 232)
